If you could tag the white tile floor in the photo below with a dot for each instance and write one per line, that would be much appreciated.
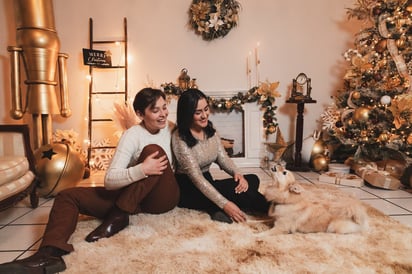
(21, 227)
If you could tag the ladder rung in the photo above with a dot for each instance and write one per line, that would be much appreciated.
(108, 41)
(102, 147)
(108, 93)
(109, 67)
(102, 120)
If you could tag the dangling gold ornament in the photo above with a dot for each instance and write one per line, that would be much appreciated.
(401, 42)
(361, 115)
(383, 137)
(356, 95)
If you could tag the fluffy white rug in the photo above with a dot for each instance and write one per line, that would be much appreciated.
(187, 241)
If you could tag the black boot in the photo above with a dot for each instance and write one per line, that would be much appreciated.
(47, 260)
(115, 221)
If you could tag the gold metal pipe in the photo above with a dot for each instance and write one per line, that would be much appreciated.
(64, 93)
(16, 111)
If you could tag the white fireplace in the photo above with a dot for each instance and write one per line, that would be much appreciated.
(245, 128)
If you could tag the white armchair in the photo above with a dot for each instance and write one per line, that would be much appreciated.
(17, 166)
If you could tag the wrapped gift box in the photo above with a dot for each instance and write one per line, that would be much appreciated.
(341, 179)
(379, 178)
(395, 167)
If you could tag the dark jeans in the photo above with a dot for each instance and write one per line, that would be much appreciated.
(251, 200)
(154, 194)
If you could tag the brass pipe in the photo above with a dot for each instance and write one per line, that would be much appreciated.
(16, 111)
(64, 94)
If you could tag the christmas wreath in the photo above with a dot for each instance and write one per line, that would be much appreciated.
(213, 18)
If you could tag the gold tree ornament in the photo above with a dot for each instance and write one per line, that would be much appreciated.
(356, 95)
(361, 115)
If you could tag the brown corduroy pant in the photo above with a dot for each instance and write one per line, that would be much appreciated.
(154, 194)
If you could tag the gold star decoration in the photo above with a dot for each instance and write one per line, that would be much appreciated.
(48, 154)
(279, 147)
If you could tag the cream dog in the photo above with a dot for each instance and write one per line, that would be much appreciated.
(307, 208)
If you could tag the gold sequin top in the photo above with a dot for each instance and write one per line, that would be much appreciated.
(196, 160)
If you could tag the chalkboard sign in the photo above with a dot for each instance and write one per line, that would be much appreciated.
(97, 58)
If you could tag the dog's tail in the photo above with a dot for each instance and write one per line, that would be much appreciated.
(351, 219)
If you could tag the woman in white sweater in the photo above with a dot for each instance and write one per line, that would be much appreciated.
(140, 179)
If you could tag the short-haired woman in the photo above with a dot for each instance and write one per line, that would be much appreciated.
(139, 179)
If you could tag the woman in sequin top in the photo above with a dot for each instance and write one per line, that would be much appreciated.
(196, 145)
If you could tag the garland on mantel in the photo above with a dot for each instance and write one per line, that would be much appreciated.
(265, 94)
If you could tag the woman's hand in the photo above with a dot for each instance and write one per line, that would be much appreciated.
(242, 183)
(154, 166)
(234, 212)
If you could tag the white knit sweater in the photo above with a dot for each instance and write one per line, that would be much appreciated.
(123, 169)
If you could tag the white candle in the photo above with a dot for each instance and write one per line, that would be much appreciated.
(249, 71)
(257, 60)
(257, 63)
(247, 65)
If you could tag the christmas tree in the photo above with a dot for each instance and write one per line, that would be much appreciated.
(372, 113)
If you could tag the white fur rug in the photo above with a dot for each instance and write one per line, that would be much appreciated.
(187, 241)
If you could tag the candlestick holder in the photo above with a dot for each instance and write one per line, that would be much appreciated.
(300, 98)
